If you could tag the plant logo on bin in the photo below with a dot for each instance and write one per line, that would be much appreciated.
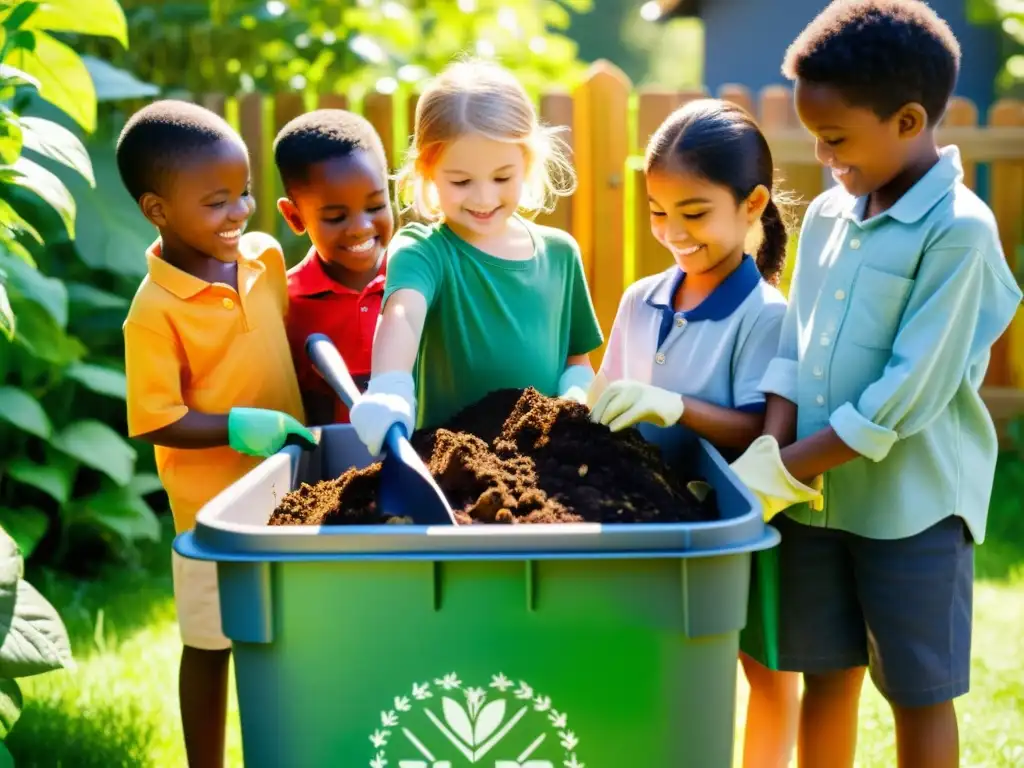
(446, 725)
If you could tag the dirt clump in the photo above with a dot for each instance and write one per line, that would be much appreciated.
(517, 456)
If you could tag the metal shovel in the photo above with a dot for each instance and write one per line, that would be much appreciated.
(406, 487)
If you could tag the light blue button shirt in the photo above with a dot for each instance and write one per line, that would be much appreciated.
(887, 339)
(717, 352)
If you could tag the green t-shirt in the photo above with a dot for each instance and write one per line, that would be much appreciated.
(491, 323)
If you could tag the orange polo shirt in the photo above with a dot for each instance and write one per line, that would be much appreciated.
(318, 304)
(190, 344)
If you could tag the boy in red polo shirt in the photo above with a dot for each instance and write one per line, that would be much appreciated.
(334, 171)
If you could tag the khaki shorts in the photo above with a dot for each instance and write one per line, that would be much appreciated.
(198, 603)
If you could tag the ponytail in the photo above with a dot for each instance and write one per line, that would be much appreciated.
(771, 255)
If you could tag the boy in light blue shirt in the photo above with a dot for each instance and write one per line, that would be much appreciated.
(900, 290)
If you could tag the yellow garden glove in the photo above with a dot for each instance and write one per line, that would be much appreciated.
(761, 469)
(625, 403)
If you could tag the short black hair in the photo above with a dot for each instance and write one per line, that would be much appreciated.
(321, 135)
(880, 54)
(157, 138)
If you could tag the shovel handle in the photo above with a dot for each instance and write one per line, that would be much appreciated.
(327, 362)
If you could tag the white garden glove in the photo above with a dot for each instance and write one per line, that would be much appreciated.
(390, 398)
(574, 383)
(761, 469)
(625, 402)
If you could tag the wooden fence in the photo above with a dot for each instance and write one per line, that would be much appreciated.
(609, 122)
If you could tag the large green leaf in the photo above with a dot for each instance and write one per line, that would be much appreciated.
(46, 185)
(102, 381)
(63, 78)
(96, 445)
(10, 706)
(23, 411)
(120, 511)
(110, 232)
(146, 483)
(18, 15)
(14, 77)
(52, 479)
(26, 526)
(33, 639)
(6, 314)
(10, 137)
(56, 142)
(103, 18)
(114, 84)
(92, 298)
(12, 220)
(12, 565)
(6, 761)
(31, 284)
(39, 333)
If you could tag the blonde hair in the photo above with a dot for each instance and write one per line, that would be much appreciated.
(481, 97)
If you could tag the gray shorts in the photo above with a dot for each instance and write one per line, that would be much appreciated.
(902, 607)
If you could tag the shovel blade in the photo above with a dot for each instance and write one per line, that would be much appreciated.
(406, 486)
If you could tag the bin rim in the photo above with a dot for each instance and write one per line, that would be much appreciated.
(188, 545)
(214, 537)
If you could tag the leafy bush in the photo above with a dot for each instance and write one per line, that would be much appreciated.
(33, 639)
(342, 46)
(61, 379)
(1008, 15)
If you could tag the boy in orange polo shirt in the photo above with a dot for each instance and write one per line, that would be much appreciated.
(334, 171)
(210, 379)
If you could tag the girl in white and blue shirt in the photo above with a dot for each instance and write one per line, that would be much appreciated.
(690, 346)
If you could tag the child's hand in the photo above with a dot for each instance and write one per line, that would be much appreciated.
(624, 403)
(575, 382)
(390, 399)
(260, 432)
(761, 469)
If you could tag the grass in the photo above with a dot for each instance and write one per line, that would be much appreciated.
(119, 708)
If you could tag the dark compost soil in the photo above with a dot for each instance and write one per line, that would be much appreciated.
(517, 456)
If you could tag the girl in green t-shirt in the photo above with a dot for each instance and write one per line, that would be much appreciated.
(479, 298)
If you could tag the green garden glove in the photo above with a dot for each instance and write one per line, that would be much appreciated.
(260, 432)
(761, 469)
(625, 402)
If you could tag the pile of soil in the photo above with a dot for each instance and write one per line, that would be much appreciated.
(517, 456)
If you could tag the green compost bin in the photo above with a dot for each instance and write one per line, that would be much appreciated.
(545, 646)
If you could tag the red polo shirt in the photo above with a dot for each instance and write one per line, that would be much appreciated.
(318, 304)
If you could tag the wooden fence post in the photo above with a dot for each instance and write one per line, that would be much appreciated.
(215, 102)
(556, 111)
(601, 108)
(963, 114)
(653, 106)
(287, 106)
(739, 95)
(379, 109)
(802, 181)
(250, 126)
(332, 101)
(1006, 199)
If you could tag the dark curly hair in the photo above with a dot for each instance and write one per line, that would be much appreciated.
(722, 143)
(160, 136)
(880, 54)
(322, 135)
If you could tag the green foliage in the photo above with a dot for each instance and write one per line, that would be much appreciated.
(342, 46)
(65, 470)
(33, 639)
(1009, 16)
